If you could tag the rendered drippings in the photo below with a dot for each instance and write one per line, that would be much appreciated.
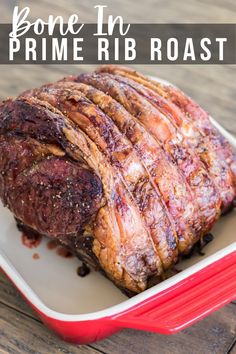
(31, 241)
(36, 256)
(52, 244)
(83, 270)
(64, 252)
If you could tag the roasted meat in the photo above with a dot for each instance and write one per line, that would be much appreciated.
(171, 140)
(115, 167)
(194, 123)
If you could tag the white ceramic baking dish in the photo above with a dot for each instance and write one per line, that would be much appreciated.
(90, 308)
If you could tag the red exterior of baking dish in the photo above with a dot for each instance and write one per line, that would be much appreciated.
(166, 312)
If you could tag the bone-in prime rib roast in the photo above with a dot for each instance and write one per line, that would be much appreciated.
(128, 173)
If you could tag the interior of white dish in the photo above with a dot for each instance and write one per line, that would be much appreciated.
(54, 280)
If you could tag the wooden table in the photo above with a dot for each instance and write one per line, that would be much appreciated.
(213, 87)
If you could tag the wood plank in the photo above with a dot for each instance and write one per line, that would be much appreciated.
(20, 334)
(221, 323)
(151, 12)
(232, 348)
(12, 298)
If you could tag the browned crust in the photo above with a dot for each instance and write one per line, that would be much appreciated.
(121, 242)
(40, 187)
(213, 149)
(165, 133)
(118, 149)
(173, 189)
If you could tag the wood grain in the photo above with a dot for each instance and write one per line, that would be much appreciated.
(203, 337)
(20, 334)
(211, 86)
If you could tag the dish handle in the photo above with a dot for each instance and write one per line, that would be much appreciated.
(187, 301)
